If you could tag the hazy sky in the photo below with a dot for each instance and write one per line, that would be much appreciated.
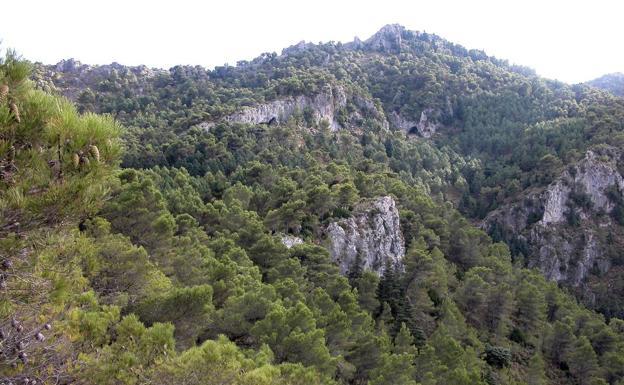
(568, 40)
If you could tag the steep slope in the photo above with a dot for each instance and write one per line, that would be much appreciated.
(571, 230)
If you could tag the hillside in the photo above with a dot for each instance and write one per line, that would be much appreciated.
(613, 83)
(314, 217)
(467, 128)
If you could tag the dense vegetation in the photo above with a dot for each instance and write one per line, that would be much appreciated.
(171, 269)
(502, 131)
(613, 83)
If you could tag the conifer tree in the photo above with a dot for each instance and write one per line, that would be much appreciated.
(56, 168)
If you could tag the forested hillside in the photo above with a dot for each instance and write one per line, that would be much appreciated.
(204, 243)
(613, 83)
(467, 128)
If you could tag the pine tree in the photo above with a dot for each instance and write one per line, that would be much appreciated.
(43, 197)
(535, 371)
(404, 342)
(582, 361)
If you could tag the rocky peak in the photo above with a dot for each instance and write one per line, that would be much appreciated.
(299, 47)
(67, 65)
(357, 43)
(369, 239)
(387, 39)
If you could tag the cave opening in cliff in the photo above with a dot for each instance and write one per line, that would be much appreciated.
(413, 131)
(272, 121)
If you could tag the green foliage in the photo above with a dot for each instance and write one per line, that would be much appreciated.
(43, 196)
(135, 346)
(497, 356)
(171, 270)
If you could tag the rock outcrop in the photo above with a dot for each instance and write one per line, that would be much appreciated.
(369, 239)
(388, 39)
(323, 106)
(425, 126)
(291, 241)
(72, 77)
(593, 176)
(296, 48)
(540, 227)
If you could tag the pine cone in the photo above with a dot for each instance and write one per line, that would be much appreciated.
(15, 112)
(4, 92)
(95, 152)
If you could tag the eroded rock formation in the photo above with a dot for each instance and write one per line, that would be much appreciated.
(561, 229)
(323, 106)
(425, 126)
(369, 239)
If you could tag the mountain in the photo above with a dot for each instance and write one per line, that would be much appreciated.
(399, 210)
(613, 83)
(496, 133)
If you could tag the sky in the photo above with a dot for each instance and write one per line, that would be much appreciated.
(572, 41)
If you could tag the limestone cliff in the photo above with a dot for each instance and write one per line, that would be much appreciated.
(323, 106)
(425, 126)
(562, 229)
(370, 238)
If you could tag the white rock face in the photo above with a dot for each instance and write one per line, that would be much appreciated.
(563, 257)
(555, 207)
(371, 237)
(590, 252)
(401, 123)
(387, 39)
(291, 241)
(593, 175)
(324, 106)
(561, 253)
(425, 127)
